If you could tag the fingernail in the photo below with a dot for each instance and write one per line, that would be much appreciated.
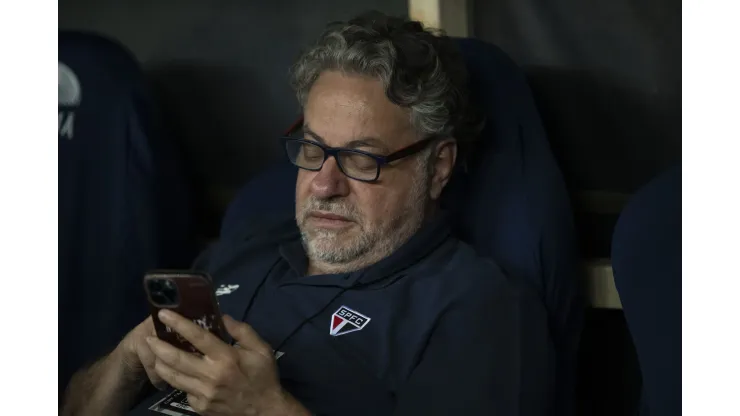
(165, 314)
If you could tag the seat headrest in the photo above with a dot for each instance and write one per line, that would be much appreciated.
(99, 81)
(499, 89)
(94, 55)
(646, 242)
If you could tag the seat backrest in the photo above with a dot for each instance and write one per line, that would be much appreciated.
(510, 203)
(123, 202)
(646, 258)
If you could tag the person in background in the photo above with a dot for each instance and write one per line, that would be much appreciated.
(364, 303)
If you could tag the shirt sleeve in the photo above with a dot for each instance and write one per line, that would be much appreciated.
(489, 354)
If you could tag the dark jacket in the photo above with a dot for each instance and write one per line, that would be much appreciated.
(432, 329)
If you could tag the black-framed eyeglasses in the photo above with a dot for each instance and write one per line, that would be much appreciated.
(355, 164)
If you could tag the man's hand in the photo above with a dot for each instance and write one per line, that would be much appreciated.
(227, 380)
(113, 384)
(136, 354)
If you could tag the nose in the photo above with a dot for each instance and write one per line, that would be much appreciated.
(330, 182)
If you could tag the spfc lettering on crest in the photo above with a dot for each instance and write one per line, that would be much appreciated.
(345, 320)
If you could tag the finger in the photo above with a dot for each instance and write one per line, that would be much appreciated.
(196, 403)
(246, 336)
(151, 330)
(204, 341)
(147, 359)
(180, 381)
(182, 361)
(148, 325)
(205, 406)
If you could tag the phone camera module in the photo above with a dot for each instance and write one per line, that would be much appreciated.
(163, 292)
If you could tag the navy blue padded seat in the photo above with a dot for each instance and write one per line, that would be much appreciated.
(124, 205)
(646, 258)
(511, 204)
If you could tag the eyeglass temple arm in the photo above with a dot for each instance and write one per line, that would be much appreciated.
(410, 150)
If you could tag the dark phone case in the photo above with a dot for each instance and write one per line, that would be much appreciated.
(197, 302)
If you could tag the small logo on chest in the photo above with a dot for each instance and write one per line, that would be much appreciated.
(345, 320)
(226, 289)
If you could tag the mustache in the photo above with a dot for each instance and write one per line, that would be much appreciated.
(335, 207)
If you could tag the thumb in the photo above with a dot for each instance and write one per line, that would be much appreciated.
(148, 361)
(246, 336)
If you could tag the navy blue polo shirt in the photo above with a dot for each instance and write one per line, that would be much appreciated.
(432, 329)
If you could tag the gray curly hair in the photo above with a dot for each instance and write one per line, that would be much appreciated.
(422, 70)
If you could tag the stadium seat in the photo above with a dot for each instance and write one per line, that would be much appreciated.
(646, 257)
(124, 205)
(510, 202)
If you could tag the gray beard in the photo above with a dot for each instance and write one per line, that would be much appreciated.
(371, 245)
(338, 254)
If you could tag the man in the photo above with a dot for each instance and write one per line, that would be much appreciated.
(363, 303)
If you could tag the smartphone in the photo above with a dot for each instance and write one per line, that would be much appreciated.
(191, 295)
